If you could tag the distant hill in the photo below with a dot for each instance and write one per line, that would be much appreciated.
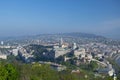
(77, 37)
(82, 35)
(74, 34)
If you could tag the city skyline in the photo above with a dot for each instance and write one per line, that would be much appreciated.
(28, 17)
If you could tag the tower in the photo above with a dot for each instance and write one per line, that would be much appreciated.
(61, 42)
(74, 45)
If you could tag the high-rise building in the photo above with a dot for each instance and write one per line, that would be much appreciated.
(61, 41)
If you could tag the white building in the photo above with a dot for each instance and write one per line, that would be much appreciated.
(5, 47)
(74, 46)
(56, 47)
(82, 55)
(15, 52)
(99, 55)
(66, 58)
(80, 52)
(60, 52)
(111, 72)
(3, 56)
(89, 57)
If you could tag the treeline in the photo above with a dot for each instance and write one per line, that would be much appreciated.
(8, 72)
(15, 71)
(36, 71)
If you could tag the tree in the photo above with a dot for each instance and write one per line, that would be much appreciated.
(8, 72)
(43, 72)
(12, 72)
(3, 73)
(93, 65)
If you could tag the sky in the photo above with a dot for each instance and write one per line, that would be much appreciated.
(32, 17)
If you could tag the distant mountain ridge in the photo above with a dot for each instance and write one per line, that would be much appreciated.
(83, 35)
(72, 34)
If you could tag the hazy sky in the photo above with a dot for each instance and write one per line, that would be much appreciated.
(28, 17)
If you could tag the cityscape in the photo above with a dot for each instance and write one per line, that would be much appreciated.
(59, 39)
(62, 51)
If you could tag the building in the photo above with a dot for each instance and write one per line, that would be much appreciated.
(89, 57)
(15, 52)
(75, 71)
(79, 52)
(74, 46)
(3, 56)
(27, 57)
(66, 58)
(60, 52)
(61, 41)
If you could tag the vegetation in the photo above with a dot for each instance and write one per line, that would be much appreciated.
(39, 51)
(8, 72)
(36, 71)
(92, 66)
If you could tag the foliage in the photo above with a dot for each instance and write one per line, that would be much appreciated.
(8, 72)
(89, 67)
(93, 65)
(43, 72)
(39, 50)
(36, 71)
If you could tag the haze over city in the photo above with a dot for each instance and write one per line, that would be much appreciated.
(32, 17)
(59, 40)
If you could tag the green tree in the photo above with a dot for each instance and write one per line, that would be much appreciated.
(92, 66)
(3, 73)
(12, 72)
(43, 72)
(8, 72)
